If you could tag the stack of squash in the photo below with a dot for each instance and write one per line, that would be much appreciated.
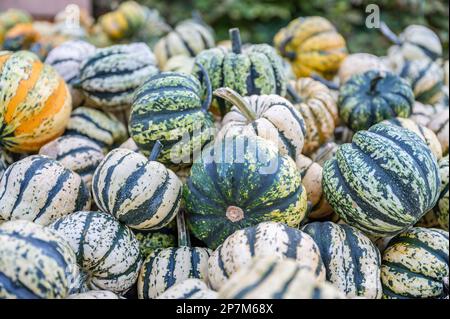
(164, 166)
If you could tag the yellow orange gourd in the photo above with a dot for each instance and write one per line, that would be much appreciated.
(35, 103)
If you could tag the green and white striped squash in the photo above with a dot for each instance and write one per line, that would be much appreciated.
(369, 98)
(95, 294)
(384, 181)
(240, 182)
(441, 209)
(66, 59)
(165, 268)
(168, 108)
(141, 193)
(149, 241)
(254, 70)
(101, 127)
(41, 190)
(35, 263)
(271, 117)
(426, 79)
(109, 77)
(271, 278)
(415, 265)
(107, 251)
(423, 132)
(189, 289)
(76, 153)
(188, 39)
(351, 260)
(264, 239)
(439, 125)
(180, 64)
(312, 174)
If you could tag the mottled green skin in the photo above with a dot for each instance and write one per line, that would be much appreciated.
(384, 181)
(257, 70)
(369, 98)
(415, 265)
(236, 176)
(168, 108)
(150, 241)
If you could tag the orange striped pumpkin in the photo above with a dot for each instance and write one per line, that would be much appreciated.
(35, 102)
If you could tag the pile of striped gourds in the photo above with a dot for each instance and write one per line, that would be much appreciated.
(152, 162)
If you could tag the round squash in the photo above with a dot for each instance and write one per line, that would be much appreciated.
(107, 251)
(384, 181)
(76, 153)
(95, 294)
(439, 125)
(359, 63)
(188, 38)
(100, 127)
(415, 265)
(311, 173)
(180, 64)
(424, 133)
(371, 97)
(240, 182)
(168, 108)
(11, 17)
(66, 60)
(352, 262)
(271, 117)
(141, 193)
(35, 263)
(36, 102)
(271, 278)
(426, 79)
(312, 45)
(264, 239)
(318, 107)
(110, 76)
(189, 289)
(20, 37)
(254, 70)
(41, 190)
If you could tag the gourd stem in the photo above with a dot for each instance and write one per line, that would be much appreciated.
(206, 80)
(292, 93)
(156, 150)
(237, 100)
(328, 84)
(236, 43)
(389, 34)
(287, 54)
(183, 235)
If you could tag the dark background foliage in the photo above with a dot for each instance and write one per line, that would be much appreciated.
(259, 20)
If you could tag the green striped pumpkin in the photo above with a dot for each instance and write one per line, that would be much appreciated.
(423, 132)
(415, 265)
(41, 189)
(441, 209)
(149, 241)
(101, 127)
(265, 239)
(240, 182)
(369, 98)
(188, 39)
(189, 289)
(76, 153)
(109, 77)
(165, 268)
(271, 117)
(271, 278)
(35, 263)
(254, 70)
(384, 181)
(107, 251)
(352, 262)
(426, 79)
(168, 108)
(95, 294)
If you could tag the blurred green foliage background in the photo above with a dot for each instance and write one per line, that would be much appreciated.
(259, 20)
